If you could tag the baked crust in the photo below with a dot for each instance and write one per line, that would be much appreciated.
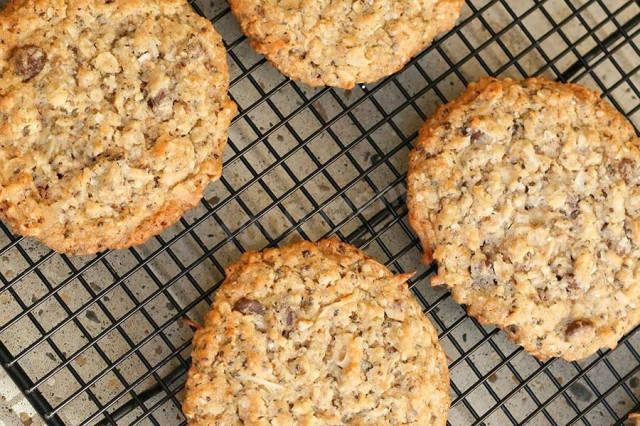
(344, 42)
(113, 118)
(527, 195)
(315, 333)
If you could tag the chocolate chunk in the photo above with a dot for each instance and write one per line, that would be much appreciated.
(578, 327)
(306, 253)
(28, 61)
(248, 306)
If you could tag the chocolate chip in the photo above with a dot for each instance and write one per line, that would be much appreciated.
(291, 317)
(162, 105)
(306, 253)
(248, 306)
(28, 61)
(477, 136)
(474, 134)
(288, 320)
(578, 327)
(516, 128)
(626, 169)
(156, 100)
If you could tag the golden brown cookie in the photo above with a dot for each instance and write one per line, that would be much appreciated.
(343, 42)
(113, 118)
(316, 333)
(527, 195)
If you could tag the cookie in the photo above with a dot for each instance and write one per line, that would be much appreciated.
(113, 118)
(527, 195)
(315, 333)
(342, 42)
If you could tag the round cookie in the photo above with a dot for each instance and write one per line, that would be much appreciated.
(527, 194)
(342, 42)
(316, 333)
(113, 118)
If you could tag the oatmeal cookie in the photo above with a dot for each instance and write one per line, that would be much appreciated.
(527, 195)
(113, 118)
(316, 333)
(342, 42)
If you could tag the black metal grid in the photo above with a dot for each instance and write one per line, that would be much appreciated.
(98, 339)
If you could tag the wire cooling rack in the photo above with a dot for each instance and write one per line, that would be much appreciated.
(99, 339)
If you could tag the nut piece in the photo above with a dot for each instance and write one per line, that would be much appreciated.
(28, 61)
(248, 306)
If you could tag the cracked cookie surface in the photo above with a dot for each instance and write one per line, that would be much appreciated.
(316, 333)
(113, 118)
(343, 42)
(527, 195)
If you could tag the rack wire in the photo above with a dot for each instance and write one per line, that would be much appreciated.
(98, 340)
